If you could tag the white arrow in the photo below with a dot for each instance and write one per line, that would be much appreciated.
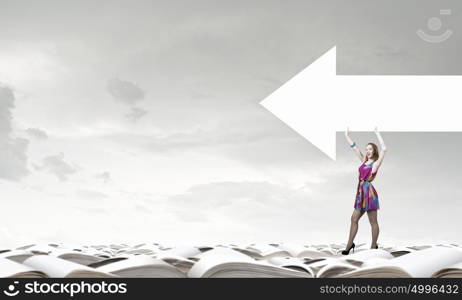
(317, 102)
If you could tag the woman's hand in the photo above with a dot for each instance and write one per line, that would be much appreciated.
(379, 136)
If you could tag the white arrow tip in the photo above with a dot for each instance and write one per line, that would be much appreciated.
(295, 103)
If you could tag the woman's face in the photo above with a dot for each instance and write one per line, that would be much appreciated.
(369, 151)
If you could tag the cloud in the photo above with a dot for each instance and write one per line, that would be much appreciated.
(125, 92)
(56, 165)
(37, 133)
(93, 210)
(90, 194)
(13, 158)
(128, 93)
(202, 138)
(142, 208)
(246, 201)
(104, 176)
(6, 105)
(135, 114)
(259, 143)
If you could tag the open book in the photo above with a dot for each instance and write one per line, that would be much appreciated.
(351, 262)
(229, 263)
(262, 251)
(12, 269)
(57, 267)
(142, 266)
(76, 256)
(293, 263)
(317, 264)
(180, 257)
(296, 250)
(17, 255)
(420, 263)
(452, 271)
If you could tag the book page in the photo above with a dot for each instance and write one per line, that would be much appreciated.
(132, 262)
(9, 268)
(423, 263)
(57, 267)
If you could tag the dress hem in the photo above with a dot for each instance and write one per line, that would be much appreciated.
(366, 209)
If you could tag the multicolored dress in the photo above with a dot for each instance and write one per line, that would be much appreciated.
(366, 195)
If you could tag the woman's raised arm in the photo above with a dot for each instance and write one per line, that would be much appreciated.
(383, 150)
(353, 145)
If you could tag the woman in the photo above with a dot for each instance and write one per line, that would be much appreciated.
(366, 196)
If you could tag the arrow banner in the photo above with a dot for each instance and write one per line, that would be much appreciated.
(317, 102)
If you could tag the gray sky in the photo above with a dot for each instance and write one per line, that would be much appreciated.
(125, 121)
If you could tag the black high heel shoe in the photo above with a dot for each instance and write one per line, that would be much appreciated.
(346, 252)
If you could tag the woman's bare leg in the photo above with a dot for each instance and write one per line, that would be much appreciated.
(354, 226)
(372, 214)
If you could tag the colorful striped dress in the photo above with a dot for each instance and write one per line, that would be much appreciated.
(366, 195)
